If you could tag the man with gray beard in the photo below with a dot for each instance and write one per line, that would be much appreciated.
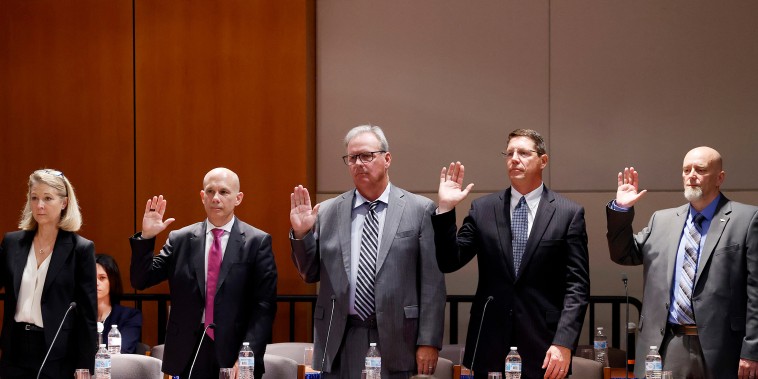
(700, 303)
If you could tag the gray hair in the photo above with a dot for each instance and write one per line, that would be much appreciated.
(376, 130)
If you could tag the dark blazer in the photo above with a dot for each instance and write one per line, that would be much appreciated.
(245, 301)
(129, 322)
(409, 287)
(725, 297)
(545, 304)
(71, 277)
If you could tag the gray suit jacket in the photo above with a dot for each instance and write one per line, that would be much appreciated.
(409, 291)
(725, 298)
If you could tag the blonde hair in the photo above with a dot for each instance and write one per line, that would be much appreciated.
(71, 216)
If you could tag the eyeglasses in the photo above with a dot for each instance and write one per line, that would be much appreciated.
(364, 157)
(522, 154)
(53, 172)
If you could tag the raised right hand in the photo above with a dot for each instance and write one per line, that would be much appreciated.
(628, 191)
(451, 190)
(302, 216)
(152, 221)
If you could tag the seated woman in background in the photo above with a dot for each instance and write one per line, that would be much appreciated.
(109, 311)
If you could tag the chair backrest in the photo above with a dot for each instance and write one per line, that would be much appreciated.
(142, 348)
(291, 350)
(452, 353)
(582, 368)
(157, 351)
(132, 366)
(279, 367)
(444, 369)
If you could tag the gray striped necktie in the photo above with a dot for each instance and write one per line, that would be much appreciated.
(686, 283)
(364, 286)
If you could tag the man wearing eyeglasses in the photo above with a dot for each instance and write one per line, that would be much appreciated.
(372, 249)
(531, 248)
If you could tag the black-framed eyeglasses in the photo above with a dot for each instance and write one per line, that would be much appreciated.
(520, 153)
(364, 157)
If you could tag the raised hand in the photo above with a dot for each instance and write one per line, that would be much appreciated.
(628, 191)
(152, 221)
(451, 190)
(302, 215)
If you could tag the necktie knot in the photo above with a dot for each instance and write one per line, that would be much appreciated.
(372, 205)
(217, 233)
(521, 202)
(698, 220)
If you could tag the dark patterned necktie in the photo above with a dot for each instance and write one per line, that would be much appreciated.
(519, 232)
(364, 286)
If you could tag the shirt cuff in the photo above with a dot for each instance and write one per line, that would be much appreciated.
(617, 208)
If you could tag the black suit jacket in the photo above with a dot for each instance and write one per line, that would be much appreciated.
(129, 322)
(245, 301)
(71, 277)
(545, 303)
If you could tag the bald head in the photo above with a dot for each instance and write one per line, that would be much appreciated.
(703, 175)
(706, 153)
(225, 174)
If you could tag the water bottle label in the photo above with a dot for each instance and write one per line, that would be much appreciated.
(513, 366)
(653, 366)
(114, 341)
(373, 362)
(313, 375)
(601, 345)
(102, 363)
(247, 361)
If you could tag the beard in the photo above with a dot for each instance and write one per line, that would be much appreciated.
(693, 193)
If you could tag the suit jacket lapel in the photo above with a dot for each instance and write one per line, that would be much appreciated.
(197, 254)
(675, 238)
(545, 212)
(394, 211)
(502, 212)
(20, 258)
(232, 253)
(718, 224)
(345, 212)
(63, 248)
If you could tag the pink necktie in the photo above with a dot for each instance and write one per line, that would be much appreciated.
(214, 266)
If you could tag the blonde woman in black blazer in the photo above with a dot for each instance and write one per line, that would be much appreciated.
(44, 268)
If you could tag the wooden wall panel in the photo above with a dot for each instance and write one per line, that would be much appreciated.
(66, 102)
(227, 84)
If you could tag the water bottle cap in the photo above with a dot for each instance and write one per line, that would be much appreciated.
(513, 348)
(246, 344)
(102, 345)
(599, 328)
(372, 344)
(653, 347)
(114, 326)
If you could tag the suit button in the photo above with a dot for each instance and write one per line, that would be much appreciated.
(667, 306)
(661, 331)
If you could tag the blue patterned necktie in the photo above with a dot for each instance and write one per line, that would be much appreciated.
(686, 283)
(364, 286)
(519, 232)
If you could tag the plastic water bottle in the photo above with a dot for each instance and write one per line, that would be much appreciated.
(246, 362)
(513, 364)
(653, 364)
(102, 363)
(114, 340)
(373, 362)
(601, 347)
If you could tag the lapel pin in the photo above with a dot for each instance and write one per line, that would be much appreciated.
(722, 220)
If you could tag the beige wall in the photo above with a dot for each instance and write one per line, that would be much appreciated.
(608, 83)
